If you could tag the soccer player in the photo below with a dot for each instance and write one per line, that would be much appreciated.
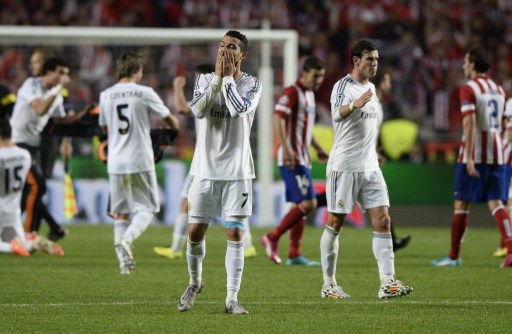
(125, 110)
(294, 119)
(37, 100)
(480, 173)
(382, 82)
(507, 158)
(15, 163)
(179, 235)
(353, 174)
(222, 168)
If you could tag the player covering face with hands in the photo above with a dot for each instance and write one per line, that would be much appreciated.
(222, 168)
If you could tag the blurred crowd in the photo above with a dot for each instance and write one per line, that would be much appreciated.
(421, 44)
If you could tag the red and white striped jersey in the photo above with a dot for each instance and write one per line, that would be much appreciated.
(483, 97)
(297, 105)
(507, 144)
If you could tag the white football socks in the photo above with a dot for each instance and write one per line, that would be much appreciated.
(234, 268)
(179, 235)
(196, 252)
(329, 246)
(383, 251)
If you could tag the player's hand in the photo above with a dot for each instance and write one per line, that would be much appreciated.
(363, 99)
(289, 158)
(229, 64)
(322, 156)
(179, 82)
(470, 168)
(219, 63)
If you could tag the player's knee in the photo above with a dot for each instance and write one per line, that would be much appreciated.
(120, 216)
(235, 227)
(197, 227)
(382, 223)
(309, 205)
(335, 221)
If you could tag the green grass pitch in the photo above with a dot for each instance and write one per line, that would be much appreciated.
(83, 291)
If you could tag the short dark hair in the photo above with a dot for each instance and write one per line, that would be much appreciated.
(5, 129)
(244, 42)
(313, 62)
(128, 64)
(205, 68)
(480, 58)
(360, 47)
(52, 63)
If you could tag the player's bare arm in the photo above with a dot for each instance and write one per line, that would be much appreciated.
(180, 101)
(42, 106)
(279, 123)
(320, 153)
(172, 121)
(469, 129)
(348, 109)
(71, 117)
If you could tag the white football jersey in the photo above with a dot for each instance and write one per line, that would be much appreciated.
(225, 109)
(355, 136)
(125, 109)
(26, 124)
(14, 165)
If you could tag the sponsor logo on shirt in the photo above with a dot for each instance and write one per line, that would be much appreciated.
(224, 113)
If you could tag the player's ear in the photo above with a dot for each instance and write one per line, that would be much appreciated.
(356, 60)
(243, 55)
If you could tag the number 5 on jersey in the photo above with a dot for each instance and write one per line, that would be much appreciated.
(123, 118)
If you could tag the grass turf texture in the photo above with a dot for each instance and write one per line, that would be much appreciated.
(83, 291)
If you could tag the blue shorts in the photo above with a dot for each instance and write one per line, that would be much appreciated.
(298, 183)
(506, 186)
(489, 186)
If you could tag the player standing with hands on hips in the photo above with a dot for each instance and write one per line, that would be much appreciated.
(222, 168)
(354, 175)
(125, 110)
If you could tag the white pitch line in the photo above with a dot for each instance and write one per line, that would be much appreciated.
(349, 302)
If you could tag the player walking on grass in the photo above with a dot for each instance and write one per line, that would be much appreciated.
(294, 118)
(353, 174)
(222, 168)
(125, 110)
(480, 171)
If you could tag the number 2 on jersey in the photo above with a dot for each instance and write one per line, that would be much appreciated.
(492, 109)
(123, 118)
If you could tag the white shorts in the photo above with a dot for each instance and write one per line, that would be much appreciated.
(209, 198)
(344, 189)
(11, 229)
(131, 193)
(186, 186)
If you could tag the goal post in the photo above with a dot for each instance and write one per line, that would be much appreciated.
(41, 35)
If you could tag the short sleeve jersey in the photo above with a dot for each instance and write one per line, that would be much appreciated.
(14, 165)
(223, 149)
(297, 105)
(26, 124)
(507, 145)
(484, 98)
(125, 109)
(355, 136)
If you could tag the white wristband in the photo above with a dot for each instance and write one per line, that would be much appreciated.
(55, 90)
(351, 106)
